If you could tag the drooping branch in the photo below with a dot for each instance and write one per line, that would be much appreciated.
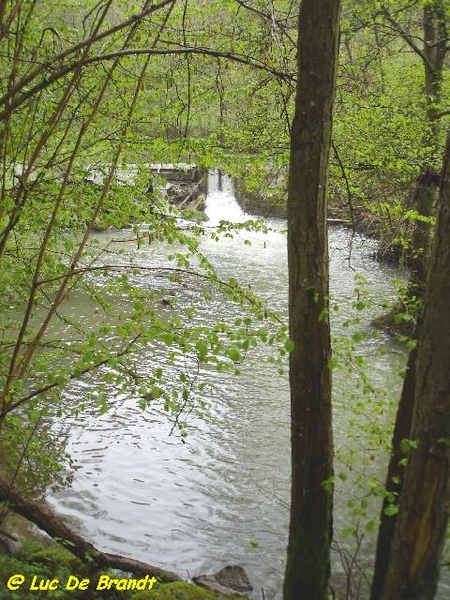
(42, 516)
(407, 38)
(270, 17)
(73, 376)
(232, 56)
(347, 183)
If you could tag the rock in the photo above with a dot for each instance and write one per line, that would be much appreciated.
(229, 580)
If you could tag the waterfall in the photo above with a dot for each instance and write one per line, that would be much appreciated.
(221, 203)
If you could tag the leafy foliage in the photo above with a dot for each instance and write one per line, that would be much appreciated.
(83, 120)
(87, 105)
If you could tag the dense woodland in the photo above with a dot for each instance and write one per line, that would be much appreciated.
(318, 110)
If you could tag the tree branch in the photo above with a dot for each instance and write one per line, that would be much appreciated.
(58, 58)
(89, 369)
(42, 516)
(408, 39)
(442, 113)
(58, 74)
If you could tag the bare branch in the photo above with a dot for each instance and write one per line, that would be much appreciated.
(26, 81)
(56, 75)
(407, 38)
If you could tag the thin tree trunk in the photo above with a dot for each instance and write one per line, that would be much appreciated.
(310, 531)
(425, 194)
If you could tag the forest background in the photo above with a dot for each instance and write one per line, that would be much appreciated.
(94, 88)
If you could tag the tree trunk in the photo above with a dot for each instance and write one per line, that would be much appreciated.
(394, 479)
(433, 55)
(310, 531)
(425, 194)
(424, 505)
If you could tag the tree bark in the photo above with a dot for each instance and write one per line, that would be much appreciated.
(432, 56)
(48, 521)
(310, 531)
(394, 479)
(425, 195)
(424, 506)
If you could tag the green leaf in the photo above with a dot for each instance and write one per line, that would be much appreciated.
(289, 345)
(391, 510)
(156, 392)
(347, 532)
(234, 353)
(371, 526)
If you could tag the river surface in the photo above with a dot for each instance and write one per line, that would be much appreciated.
(222, 496)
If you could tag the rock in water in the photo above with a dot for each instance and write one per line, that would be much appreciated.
(229, 580)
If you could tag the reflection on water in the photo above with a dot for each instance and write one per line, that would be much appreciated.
(197, 506)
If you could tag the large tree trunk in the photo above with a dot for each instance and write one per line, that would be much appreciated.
(424, 505)
(310, 531)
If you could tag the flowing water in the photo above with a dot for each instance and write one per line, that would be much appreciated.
(221, 497)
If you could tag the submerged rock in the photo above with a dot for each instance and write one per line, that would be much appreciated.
(229, 580)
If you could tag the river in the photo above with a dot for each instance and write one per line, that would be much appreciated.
(222, 496)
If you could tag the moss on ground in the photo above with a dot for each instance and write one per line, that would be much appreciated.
(53, 562)
(181, 591)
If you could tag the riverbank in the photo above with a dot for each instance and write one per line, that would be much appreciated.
(44, 568)
(38, 565)
(270, 201)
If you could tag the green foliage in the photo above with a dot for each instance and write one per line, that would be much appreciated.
(400, 317)
(33, 561)
(366, 412)
(385, 137)
(84, 118)
(80, 128)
